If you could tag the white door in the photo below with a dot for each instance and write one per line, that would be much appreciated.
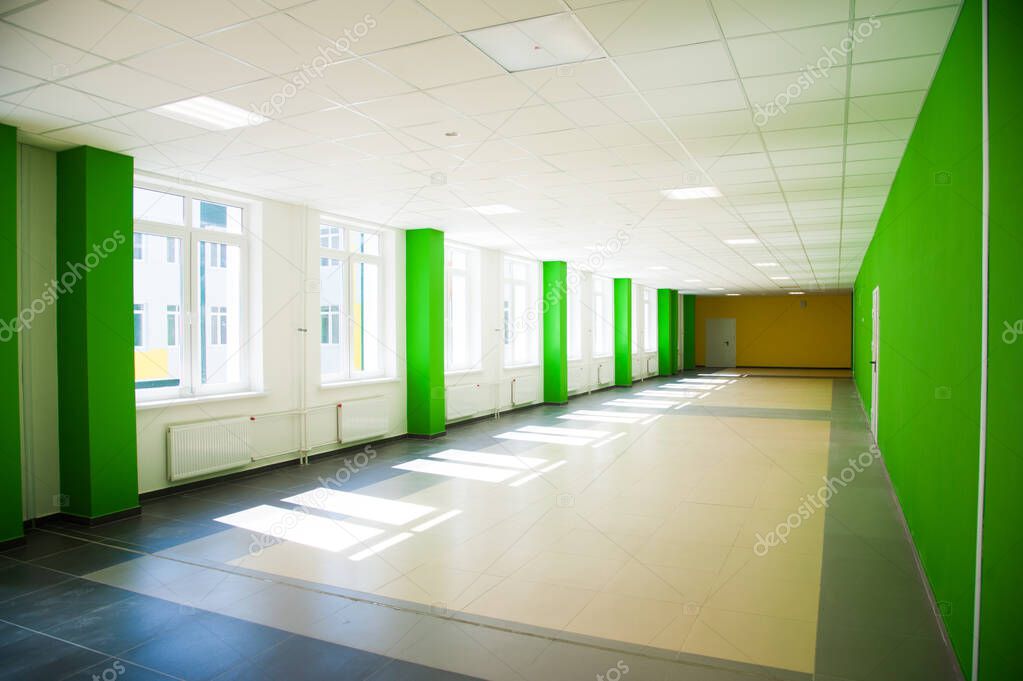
(875, 353)
(721, 342)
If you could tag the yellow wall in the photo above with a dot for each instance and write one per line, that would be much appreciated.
(774, 331)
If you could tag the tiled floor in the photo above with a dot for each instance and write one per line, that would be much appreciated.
(634, 528)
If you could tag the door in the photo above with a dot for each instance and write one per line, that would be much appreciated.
(875, 353)
(721, 342)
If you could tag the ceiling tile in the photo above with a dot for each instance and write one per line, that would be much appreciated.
(897, 75)
(819, 47)
(670, 67)
(903, 35)
(195, 66)
(741, 17)
(642, 25)
(443, 61)
(367, 26)
(128, 86)
(465, 15)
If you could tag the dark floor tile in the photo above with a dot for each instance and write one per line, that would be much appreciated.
(205, 646)
(122, 625)
(306, 659)
(49, 607)
(877, 655)
(399, 670)
(22, 578)
(113, 669)
(28, 656)
(85, 559)
(39, 543)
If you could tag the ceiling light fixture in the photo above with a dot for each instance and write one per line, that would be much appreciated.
(733, 294)
(687, 193)
(741, 242)
(494, 209)
(210, 113)
(796, 293)
(780, 278)
(765, 264)
(715, 288)
(536, 43)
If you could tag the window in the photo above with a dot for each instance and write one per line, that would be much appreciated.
(649, 320)
(140, 325)
(351, 303)
(603, 317)
(521, 316)
(137, 247)
(198, 283)
(462, 337)
(172, 325)
(575, 323)
(218, 325)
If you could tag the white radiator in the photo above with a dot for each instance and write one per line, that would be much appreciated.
(524, 389)
(576, 378)
(208, 447)
(464, 400)
(651, 365)
(603, 373)
(362, 419)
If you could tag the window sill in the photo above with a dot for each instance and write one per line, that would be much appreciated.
(463, 372)
(184, 401)
(359, 381)
(517, 367)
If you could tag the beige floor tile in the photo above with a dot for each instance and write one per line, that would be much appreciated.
(625, 618)
(768, 641)
(538, 603)
(584, 572)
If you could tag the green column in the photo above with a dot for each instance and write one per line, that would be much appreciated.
(623, 332)
(688, 332)
(424, 331)
(95, 330)
(10, 413)
(667, 332)
(555, 332)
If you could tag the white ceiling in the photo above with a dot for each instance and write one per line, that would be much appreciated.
(582, 150)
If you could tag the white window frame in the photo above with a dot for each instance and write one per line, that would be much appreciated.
(474, 324)
(349, 259)
(530, 323)
(191, 235)
(603, 315)
(649, 319)
(574, 320)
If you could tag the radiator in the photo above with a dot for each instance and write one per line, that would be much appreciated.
(208, 447)
(576, 378)
(651, 365)
(464, 400)
(362, 419)
(602, 373)
(524, 389)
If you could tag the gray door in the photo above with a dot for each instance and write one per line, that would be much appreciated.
(721, 342)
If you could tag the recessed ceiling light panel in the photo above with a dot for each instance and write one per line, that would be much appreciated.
(210, 113)
(688, 193)
(536, 43)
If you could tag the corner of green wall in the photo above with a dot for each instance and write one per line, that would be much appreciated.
(623, 331)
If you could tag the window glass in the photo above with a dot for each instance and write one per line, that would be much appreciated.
(331, 298)
(157, 287)
(574, 318)
(521, 316)
(154, 206)
(331, 237)
(217, 216)
(365, 317)
(603, 317)
(650, 320)
(220, 305)
(461, 310)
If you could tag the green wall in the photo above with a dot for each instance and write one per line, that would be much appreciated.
(424, 330)
(623, 331)
(688, 332)
(10, 413)
(667, 331)
(926, 258)
(95, 346)
(555, 332)
(1001, 596)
